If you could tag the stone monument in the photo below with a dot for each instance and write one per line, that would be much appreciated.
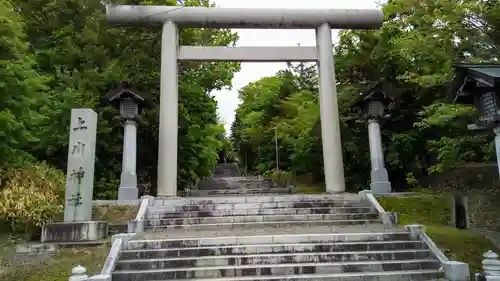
(81, 159)
(78, 225)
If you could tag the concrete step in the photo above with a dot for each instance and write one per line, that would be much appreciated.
(234, 225)
(325, 198)
(233, 187)
(228, 183)
(255, 208)
(272, 240)
(270, 258)
(222, 184)
(263, 187)
(262, 219)
(407, 275)
(191, 205)
(352, 255)
(270, 231)
(234, 181)
(322, 247)
(165, 214)
(226, 169)
(236, 178)
(276, 269)
(239, 190)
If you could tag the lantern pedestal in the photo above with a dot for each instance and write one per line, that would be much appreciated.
(380, 187)
(128, 181)
(128, 187)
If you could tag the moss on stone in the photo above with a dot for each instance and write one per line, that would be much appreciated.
(434, 211)
(115, 214)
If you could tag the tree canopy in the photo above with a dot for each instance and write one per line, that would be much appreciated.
(60, 54)
(414, 50)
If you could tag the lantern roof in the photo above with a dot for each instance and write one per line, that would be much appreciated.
(124, 90)
(473, 79)
(383, 91)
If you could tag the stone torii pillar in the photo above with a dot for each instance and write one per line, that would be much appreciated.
(173, 17)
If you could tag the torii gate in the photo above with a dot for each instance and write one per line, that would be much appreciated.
(173, 17)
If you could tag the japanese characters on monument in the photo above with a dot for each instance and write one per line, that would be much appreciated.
(81, 159)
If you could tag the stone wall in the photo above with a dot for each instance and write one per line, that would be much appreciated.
(480, 184)
(116, 215)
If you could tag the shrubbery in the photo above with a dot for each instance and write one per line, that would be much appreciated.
(30, 196)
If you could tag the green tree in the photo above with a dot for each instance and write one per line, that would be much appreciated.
(414, 50)
(84, 58)
(21, 91)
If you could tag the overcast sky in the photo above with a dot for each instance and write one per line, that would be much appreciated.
(228, 99)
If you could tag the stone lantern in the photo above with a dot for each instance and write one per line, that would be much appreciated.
(130, 104)
(479, 85)
(79, 273)
(373, 106)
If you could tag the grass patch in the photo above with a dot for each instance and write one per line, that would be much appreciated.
(461, 245)
(434, 211)
(422, 209)
(114, 214)
(58, 268)
(309, 189)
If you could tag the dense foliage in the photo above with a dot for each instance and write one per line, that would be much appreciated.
(414, 50)
(60, 54)
(56, 55)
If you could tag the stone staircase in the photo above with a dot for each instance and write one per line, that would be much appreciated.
(257, 211)
(287, 237)
(226, 170)
(223, 186)
(391, 256)
(272, 237)
(227, 181)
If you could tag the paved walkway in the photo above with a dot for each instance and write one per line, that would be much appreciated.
(493, 236)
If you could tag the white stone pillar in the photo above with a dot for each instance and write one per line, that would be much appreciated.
(128, 181)
(329, 112)
(168, 123)
(379, 177)
(81, 163)
(497, 146)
